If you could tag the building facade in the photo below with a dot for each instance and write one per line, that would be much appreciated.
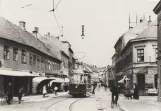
(137, 58)
(157, 10)
(23, 57)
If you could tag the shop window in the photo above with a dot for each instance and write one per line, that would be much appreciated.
(31, 59)
(6, 52)
(140, 55)
(34, 60)
(23, 56)
(15, 54)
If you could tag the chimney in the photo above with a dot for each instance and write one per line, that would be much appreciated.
(149, 20)
(48, 34)
(141, 20)
(22, 24)
(36, 30)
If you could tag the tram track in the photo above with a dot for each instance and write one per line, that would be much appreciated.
(70, 107)
(48, 108)
(56, 105)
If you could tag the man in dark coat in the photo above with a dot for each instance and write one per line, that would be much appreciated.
(115, 92)
(20, 93)
(9, 93)
(94, 87)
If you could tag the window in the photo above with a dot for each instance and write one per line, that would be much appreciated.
(23, 56)
(15, 54)
(42, 62)
(140, 55)
(156, 52)
(34, 60)
(6, 52)
(38, 61)
(49, 65)
(31, 59)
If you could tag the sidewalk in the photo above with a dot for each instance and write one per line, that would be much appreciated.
(145, 103)
(38, 98)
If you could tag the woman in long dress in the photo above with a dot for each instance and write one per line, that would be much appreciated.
(136, 92)
(44, 91)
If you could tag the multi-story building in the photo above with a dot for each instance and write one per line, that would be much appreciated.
(110, 75)
(136, 58)
(22, 57)
(157, 10)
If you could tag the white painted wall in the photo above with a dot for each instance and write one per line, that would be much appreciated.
(149, 50)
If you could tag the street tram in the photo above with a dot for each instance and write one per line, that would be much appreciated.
(80, 83)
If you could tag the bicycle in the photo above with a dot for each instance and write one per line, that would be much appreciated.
(4, 99)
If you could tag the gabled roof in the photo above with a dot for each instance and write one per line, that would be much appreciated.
(13, 32)
(151, 31)
(50, 45)
(87, 69)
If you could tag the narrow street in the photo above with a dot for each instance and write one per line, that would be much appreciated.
(98, 102)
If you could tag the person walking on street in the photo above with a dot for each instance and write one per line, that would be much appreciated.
(115, 93)
(44, 91)
(9, 93)
(55, 90)
(20, 93)
(136, 92)
(94, 87)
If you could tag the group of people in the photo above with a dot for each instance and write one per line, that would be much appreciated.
(115, 90)
(44, 91)
(9, 93)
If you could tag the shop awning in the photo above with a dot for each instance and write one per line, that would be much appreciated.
(122, 80)
(16, 73)
(39, 80)
(78, 71)
(66, 80)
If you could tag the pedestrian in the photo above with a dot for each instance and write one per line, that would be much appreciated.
(9, 93)
(44, 91)
(20, 93)
(115, 93)
(136, 92)
(94, 87)
(55, 90)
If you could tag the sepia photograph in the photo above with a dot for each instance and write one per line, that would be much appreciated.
(80, 55)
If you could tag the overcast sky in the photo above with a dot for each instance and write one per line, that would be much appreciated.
(105, 21)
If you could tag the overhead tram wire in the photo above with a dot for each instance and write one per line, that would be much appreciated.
(57, 23)
(57, 4)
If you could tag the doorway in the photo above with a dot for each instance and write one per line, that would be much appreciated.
(141, 81)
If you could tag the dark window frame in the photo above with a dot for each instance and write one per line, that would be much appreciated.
(15, 54)
(140, 55)
(6, 52)
(31, 59)
(34, 60)
(23, 56)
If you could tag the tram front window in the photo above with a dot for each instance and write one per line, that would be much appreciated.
(79, 78)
